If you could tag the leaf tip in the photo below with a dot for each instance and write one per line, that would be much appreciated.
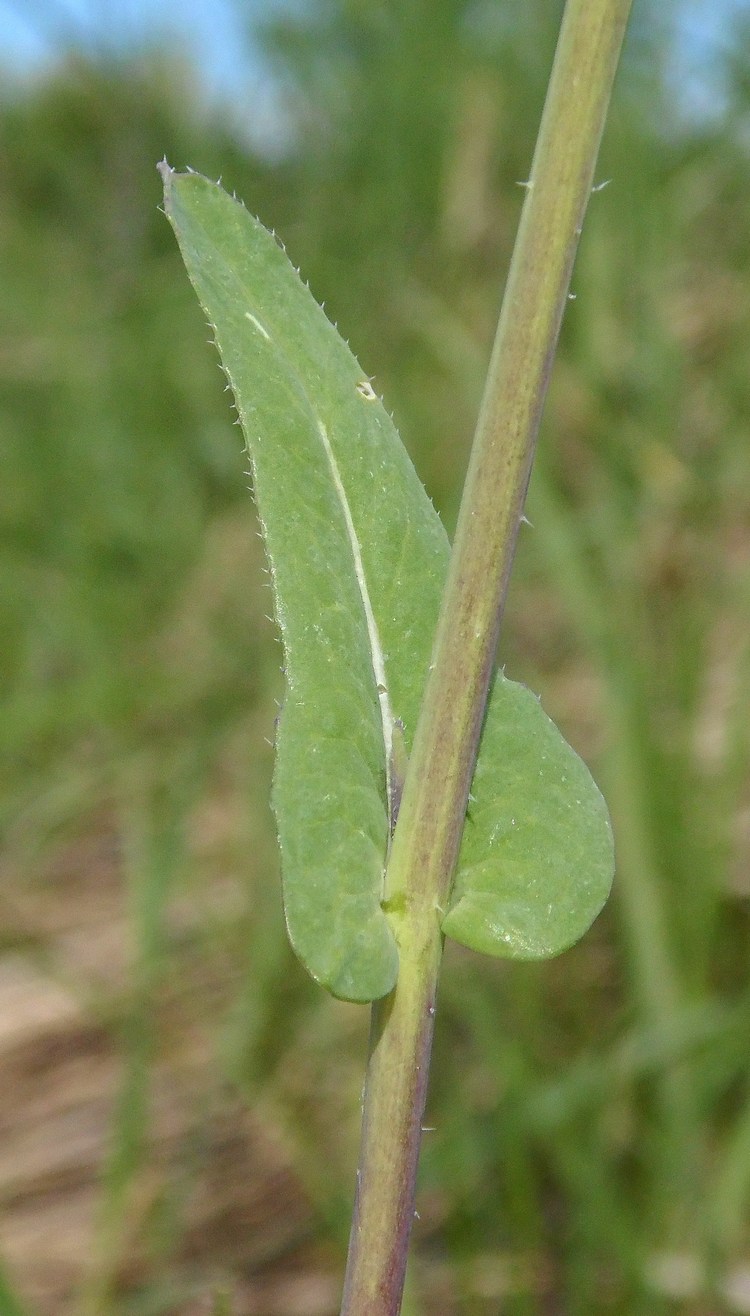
(166, 172)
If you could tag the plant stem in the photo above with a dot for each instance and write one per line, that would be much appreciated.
(428, 834)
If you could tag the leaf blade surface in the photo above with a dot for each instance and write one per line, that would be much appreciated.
(358, 558)
(537, 855)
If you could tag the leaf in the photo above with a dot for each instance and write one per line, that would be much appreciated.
(358, 558)
(536, 859)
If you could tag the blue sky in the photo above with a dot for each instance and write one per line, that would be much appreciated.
(215, 34)
(33, 32)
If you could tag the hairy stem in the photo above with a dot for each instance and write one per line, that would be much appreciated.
(428, 833)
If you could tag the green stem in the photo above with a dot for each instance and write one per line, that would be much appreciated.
(428, 834)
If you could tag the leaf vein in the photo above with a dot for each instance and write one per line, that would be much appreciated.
(376, 647)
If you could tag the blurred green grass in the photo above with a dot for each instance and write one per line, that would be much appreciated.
(591, 1150)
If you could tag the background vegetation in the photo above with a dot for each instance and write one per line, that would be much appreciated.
(179, 1104)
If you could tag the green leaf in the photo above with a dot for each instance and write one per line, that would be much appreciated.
(536, 859)
(358, 558)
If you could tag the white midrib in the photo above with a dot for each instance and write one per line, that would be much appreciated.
(376, 648)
